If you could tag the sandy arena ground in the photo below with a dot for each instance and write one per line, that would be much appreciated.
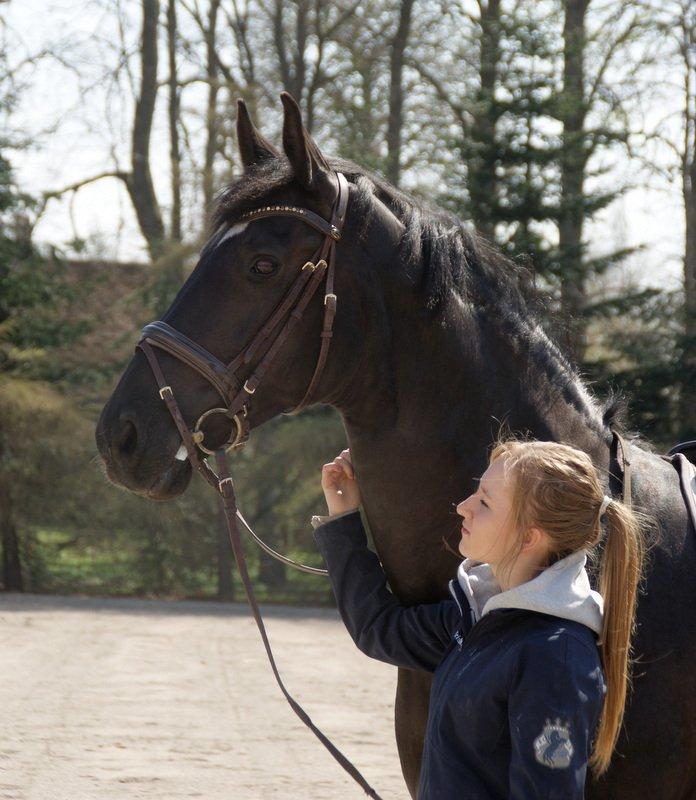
(103, 699)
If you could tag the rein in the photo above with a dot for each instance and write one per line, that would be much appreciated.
(236, 395)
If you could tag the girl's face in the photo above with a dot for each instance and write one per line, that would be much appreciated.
(486, 535)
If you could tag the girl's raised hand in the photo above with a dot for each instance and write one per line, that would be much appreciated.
(340, 484)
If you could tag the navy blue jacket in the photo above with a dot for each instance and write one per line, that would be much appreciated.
(516, 696)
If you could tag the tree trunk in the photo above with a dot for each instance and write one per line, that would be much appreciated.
(291, 51)
(299, 56)
(688, 367)
(573, 164)
(173, 109)
(12, 578)
(272, 573)
(139, 182)
(481, 164)
(280, 48)
(396, 92)
(211, 144)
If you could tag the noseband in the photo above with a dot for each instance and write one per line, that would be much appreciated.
(223, 377)
(235, 396)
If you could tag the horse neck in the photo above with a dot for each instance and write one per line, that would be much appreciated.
(419, 421)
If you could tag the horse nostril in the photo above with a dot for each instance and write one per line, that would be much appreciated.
(127, 440)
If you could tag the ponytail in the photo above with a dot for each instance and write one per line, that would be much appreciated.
(619, 582)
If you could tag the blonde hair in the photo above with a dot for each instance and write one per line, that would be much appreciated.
(558, 489)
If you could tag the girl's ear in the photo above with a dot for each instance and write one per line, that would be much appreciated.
(308, 164)
(535, 538)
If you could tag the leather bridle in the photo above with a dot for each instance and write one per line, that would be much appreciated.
(236, 396)
(224, 377)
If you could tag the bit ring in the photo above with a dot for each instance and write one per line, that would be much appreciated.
(199, 435)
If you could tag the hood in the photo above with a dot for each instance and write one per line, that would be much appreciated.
(562, 590)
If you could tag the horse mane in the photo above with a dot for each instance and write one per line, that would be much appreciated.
(451, 258)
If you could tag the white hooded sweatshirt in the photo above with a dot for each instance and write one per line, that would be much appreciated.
(562, 590)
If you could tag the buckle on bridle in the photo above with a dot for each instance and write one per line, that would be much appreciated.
(247, 389)
(330, 294)
(166, 389)
(309, 265)
(224, 480)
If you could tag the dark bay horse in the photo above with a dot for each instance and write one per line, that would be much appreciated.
(433, 346)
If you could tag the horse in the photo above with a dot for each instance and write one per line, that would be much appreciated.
(433, 344)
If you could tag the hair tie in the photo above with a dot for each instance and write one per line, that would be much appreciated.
(604, 505)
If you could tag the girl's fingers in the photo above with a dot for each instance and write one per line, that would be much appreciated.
(333, 472)
(345, 465)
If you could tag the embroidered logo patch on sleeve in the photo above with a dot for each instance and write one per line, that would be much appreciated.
(553, 747)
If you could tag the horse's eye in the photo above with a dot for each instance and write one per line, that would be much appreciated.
(264, 266)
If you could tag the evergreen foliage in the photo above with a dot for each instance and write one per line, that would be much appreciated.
(517, 149)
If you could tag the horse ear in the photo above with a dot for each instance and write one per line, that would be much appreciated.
(253, 147)
(308, 164)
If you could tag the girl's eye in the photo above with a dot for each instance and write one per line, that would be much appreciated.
(264, 266)
(483, 502)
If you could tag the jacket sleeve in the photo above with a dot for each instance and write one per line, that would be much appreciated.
(319, 519)
(554, 706)
(405, 636)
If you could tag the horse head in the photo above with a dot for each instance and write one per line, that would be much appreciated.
(259, 242)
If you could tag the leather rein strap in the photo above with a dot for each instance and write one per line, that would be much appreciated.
(225, 381)
(226, 488)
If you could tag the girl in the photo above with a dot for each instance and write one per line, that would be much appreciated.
(530, 665)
